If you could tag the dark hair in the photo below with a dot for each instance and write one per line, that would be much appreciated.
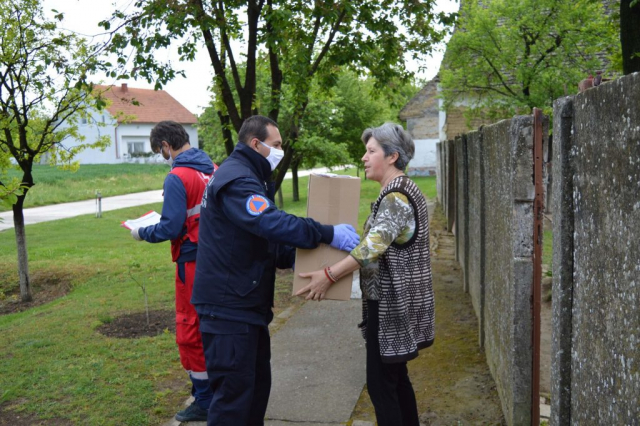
(171, 132)
(255, 127)
(392, 138)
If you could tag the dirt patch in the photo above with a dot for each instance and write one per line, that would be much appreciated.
(46, 285)
(9, 417)
(133, 326)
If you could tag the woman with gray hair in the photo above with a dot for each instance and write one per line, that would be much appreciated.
(395, 276)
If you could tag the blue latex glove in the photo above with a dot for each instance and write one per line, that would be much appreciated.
(345, 237)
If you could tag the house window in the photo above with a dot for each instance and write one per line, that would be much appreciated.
(135, 147)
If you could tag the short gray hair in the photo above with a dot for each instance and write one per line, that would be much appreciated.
(392, 138)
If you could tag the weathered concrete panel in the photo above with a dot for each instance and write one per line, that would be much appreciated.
(439, 169)
(462, 209)
(476, 228)
(606, 269)
(450, 182)
(509, 194)
(562, 289)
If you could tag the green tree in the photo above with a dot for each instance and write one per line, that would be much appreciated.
(630, 35)
(302, 40)
(363, 103)
(43, 94)
(508, 56)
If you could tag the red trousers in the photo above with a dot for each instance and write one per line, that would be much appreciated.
(187, 324)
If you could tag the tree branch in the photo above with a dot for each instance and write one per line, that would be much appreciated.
(327, 44)
(218, 67)
(219, 11)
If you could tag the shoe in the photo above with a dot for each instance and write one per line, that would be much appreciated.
(192, 413)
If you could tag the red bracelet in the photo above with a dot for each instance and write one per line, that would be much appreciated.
(329, 277)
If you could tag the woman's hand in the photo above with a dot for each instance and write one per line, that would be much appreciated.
(318, 286)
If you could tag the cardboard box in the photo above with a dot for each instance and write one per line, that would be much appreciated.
(332, 199)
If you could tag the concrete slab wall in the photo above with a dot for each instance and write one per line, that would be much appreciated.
(476, 227)
(562, 289)
(450, 182)
(462, 208)
(597, 169)
(439, 172)
(509, 195)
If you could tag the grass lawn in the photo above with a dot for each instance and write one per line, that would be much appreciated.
(56, 366)
(53, 186)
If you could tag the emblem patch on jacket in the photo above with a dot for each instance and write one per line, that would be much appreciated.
(256, 204)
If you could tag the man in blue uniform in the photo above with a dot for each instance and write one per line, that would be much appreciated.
(243, 239)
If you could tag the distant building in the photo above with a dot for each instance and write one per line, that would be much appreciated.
(421, 114)
(128, 120)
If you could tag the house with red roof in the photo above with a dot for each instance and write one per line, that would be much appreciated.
(128, 119)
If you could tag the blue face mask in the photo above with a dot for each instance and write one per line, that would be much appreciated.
(274, 157)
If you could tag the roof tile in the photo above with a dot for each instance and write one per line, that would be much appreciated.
(153, 105)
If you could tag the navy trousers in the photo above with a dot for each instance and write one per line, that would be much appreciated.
(238, 358)
(389, 386)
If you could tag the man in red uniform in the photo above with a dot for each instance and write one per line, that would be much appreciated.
(191, 169)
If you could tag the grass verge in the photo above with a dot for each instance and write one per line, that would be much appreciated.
(54, 186)
(55, 365)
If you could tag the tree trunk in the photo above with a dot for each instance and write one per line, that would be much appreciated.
(294, 178)
(630, 36)
(21, 244)
(226, 133)
(280, 199)
(284, 165)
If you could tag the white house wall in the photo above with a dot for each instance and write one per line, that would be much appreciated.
(120, 135)
(425, 158)
(92, 132)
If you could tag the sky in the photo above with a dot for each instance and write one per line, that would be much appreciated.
(82, 16)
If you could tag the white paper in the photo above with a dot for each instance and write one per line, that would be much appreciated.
(147, 219)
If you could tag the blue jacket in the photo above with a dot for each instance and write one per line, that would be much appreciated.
(174, 208)
(243, 238)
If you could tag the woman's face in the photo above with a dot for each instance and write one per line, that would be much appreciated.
(375, 164)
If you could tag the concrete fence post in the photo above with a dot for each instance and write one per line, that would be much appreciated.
(562, 290)
(451, 185)
(439, 172)
(596, 360)
(476, 227)
(462, 208)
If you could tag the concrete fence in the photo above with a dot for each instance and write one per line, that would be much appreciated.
(489, 192)
(596, 256)
(485, 185)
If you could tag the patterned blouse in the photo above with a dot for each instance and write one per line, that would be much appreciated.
(395, 222)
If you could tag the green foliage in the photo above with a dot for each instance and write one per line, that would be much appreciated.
(508, 56)
(9, 193)
(329, 132)
(303, 44)
(45, 91)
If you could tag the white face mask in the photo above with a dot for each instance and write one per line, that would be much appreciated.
(274, 157)
(169, 160)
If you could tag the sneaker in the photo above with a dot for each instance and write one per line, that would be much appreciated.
(192, 413)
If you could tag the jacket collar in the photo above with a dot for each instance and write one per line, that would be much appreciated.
(256, 161)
